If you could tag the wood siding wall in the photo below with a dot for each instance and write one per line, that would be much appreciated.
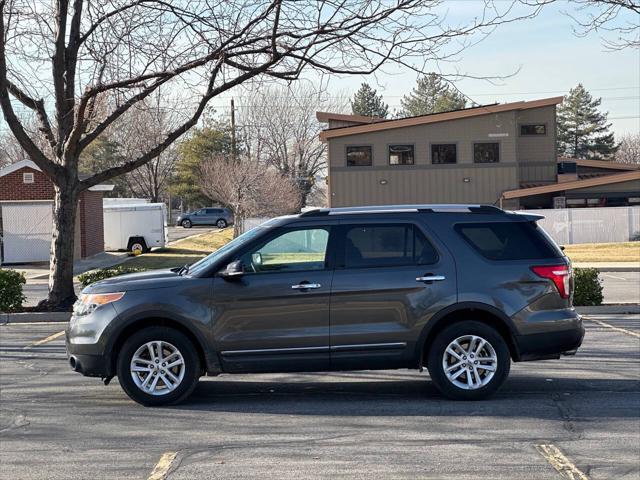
(424, 182)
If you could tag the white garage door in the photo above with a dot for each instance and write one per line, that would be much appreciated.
(26, 231)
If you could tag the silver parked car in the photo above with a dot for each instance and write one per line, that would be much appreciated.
(220, 217)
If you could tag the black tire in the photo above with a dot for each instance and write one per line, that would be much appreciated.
(192, 368)
(136, 243)
(186, 223)
(221, 223)
(445, 338)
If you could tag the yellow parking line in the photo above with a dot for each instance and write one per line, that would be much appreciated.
(562, 464)
(617, 329)
(45, 340)
(162, 467)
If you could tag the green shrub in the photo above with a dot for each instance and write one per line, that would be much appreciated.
(11, 296)
(93, 276)
(588, 289)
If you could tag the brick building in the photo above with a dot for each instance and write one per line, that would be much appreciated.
(26, 216)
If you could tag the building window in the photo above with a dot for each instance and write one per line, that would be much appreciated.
(27, 177)
(443, 153)
(533, 129)
(400, 154)
(486, 152)
(359, 156)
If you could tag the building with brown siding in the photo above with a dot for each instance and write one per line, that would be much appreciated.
(26, 216)
(473, 155)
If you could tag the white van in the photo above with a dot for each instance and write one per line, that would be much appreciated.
(135, 227)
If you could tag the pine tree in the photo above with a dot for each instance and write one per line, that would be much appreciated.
(583, 131)
(367, 102)
(431, 95)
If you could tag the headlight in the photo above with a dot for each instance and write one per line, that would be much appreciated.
(88, 302)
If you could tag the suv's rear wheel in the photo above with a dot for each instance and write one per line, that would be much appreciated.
(222, 223)
(468, 361)
(158, 366)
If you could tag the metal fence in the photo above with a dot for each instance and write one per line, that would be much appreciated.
(591, 225)
(249, 223)
(568, 225)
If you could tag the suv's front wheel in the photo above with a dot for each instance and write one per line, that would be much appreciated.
(468, 361)
(158, 366)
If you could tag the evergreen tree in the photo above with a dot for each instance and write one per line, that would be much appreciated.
(431, 95)
(101, 154)
(202, 143)
(583, 131)
(367, 102)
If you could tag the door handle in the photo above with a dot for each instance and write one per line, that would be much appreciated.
(305, 286)
(430, 278)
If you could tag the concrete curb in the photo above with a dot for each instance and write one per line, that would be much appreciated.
(629, 308)
(34, 317)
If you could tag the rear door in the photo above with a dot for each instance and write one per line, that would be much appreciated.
(390, 278)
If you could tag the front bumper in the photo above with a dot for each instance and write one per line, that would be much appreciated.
(86, 342)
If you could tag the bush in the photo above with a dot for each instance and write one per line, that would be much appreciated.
(93, 276)
(11, 296)
(588, 289)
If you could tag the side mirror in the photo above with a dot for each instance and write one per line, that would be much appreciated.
(234, 269)
(256, 258)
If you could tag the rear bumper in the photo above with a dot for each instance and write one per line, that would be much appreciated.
(550, 345)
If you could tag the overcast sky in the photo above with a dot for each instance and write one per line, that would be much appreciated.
(550, 60)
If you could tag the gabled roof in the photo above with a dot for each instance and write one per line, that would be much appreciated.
(437, 117)
(560, 187)
(608, 164)
(14, 167)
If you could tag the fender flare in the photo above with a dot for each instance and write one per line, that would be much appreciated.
(212, 363)
(434, 321)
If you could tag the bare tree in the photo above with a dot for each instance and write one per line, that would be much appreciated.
(280, 129)
(58, 58)
(147, 125)
(247, 187)
(629, 149)
(616, 18)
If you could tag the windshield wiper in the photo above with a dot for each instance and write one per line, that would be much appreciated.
(183, 270)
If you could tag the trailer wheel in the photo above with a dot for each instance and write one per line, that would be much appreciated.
(137, 245)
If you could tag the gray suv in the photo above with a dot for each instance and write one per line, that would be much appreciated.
(460, 290)
(220, 217)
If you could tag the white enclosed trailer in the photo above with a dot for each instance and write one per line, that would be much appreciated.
(137, 228)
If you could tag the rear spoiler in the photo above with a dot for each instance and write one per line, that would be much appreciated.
(532, 217)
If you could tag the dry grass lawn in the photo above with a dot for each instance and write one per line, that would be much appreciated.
(182, 252)
(604, 252)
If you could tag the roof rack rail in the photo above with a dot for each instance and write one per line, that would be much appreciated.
(452, 208)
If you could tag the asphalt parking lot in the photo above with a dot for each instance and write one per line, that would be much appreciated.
(571, 418)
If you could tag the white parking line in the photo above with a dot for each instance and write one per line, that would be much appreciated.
(45, 340)
(162, 467)
(607, 325)
(562, 464)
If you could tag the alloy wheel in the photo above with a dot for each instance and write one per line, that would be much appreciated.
(469, 362)
(157, 367)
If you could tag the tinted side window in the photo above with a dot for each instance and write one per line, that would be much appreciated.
(508, 240)
(294, 250)
(386, 245)
(213, 211)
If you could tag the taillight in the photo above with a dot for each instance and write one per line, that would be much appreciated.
(560, 275)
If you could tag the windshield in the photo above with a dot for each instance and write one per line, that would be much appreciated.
(207, 261)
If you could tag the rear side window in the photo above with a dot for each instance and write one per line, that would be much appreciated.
(386, 245)
(508, 240)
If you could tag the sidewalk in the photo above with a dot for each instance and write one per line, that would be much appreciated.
(610, 266)
(40, 271)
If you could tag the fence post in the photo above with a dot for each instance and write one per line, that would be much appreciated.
(570, 225)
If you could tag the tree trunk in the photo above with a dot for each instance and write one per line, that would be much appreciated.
(61, 291)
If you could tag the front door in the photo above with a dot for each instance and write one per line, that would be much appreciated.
(390, 278)
(275, 317)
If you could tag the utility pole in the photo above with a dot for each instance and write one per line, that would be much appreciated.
(233, 131)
